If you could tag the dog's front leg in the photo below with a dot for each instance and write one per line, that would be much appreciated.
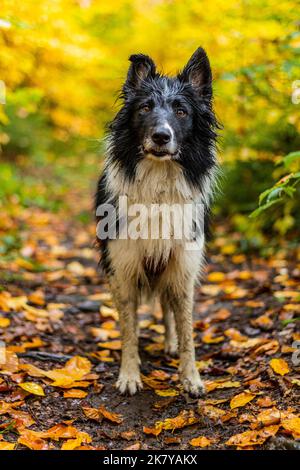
(129, 379)
(171, 344)
(182, 306)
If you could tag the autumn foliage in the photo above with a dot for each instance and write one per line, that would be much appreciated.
(61, 65)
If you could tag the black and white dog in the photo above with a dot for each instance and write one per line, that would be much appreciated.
(161, 151)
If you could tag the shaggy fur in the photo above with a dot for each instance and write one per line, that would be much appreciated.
(161, 150)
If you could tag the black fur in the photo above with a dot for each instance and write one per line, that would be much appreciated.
(185, 102)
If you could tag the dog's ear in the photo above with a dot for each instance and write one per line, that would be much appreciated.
(197, 72)
(141, 68)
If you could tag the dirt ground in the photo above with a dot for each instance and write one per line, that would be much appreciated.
(57, 306)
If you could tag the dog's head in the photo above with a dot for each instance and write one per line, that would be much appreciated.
(166, 118)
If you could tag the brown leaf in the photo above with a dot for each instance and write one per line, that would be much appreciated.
(128, 435)
(265, 402)
(212, 412)
(113, 417)
(269, 416)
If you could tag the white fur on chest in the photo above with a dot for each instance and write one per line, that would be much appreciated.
(155, 183)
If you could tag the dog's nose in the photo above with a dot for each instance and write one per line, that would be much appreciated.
(161, 137)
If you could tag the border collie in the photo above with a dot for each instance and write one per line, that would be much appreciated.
(161, 150)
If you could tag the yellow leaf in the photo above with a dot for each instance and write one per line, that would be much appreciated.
(4, 445)
(170, 392)
(235, 334)
(280, 366)
(4, 322)
(74, 393)
(200, 441)
(211, 385)
(33, 388)
(241, 400)
(185, 418)
(71, 444)
(293, 426)
(249, 438)
(216, 277)
(31, 440)
(114, 345)
(210, 337)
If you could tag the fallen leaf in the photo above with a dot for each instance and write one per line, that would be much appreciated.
(172, 440)
(29, 439)
(4, 322)
(5, 445)
(135, 446)
(200, 441)
(264, 321)
(210, 336)
(113, 345)
(75, 393)
(92, 413)
(249, 438)
(152, 431)
(269, 417)
(235, 334)
(113, 417)
(265, 402)
(280, 366)
(33, 388)
(212, 412)
(170, 392)
(292, 425)
(128, 435)
(241, 400)
(221, 315)
(10, 364)
(216, 277)
(185, 418)
(211, 385)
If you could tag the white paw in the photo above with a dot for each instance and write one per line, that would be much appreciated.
(192, 383)
(171, 346)
(129, 382)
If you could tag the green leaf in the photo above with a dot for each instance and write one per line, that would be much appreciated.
(291, 158)
(261, 209)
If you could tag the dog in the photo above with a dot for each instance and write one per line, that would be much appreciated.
(161, 149)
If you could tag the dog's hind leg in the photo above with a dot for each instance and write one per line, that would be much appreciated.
(171, 343)
(182, 305)
(129, 380)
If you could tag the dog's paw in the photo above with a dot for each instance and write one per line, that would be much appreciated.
(129, 383)
(171, 346)
(192, 383)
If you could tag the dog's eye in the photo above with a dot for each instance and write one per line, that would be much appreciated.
(181, 112)
(145, 108)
